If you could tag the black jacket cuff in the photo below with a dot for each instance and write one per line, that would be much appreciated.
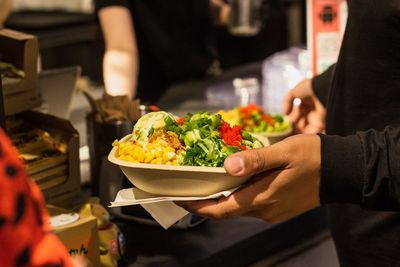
(341, 169)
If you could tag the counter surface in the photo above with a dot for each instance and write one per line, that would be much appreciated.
(236, 242)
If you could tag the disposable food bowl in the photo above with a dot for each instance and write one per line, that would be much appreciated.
(173, 180)
(274, 137)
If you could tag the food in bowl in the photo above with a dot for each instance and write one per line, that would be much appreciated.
(200, 139)
(253, 119)
(188, 154)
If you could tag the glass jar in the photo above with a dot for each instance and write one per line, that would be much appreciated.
(245, 17)
(246, 91)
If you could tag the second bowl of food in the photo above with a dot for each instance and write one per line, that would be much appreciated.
(253, 119)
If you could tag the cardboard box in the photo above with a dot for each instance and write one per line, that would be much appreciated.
(66, 194)
(20, 50)
(80, 236)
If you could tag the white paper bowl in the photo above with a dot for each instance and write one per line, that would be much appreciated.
(170, 180)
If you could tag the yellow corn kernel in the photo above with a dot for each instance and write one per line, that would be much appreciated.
(171, 155)
(159, 153)
(115, 143)
(157, 161)
(165, 158)
(140, 157)
(170, 149)
(148, 157)
(156, 152)
(136, 150)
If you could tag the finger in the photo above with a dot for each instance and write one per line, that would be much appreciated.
(300, 125)
(249, 197)
(270, 214)
(317, 123)
(196, 205)
(253, 161)
(288, 103)
(222, 208)
(265, 214)
(295, 115)
(312, 129)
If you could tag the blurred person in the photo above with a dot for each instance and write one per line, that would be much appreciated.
(25, 235)
(150, 44)
(355, 167)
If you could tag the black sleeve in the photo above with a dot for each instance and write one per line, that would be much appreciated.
(321, 84)
(362, 169)
(106, 3)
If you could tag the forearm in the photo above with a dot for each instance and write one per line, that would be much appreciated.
(362, 169)
(120, 70)
(120, 62)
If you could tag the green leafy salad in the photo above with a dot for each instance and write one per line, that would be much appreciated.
(200, 139)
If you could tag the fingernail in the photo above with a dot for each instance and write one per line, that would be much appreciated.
(234, 165)
(296, 102)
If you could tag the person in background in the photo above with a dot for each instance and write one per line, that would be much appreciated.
(152, 44)
(355, 167)
(25, 234)
(170, 41)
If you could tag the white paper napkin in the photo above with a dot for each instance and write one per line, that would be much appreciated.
(161, 208)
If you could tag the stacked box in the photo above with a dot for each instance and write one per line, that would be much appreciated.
(49, 147)
(19, 58)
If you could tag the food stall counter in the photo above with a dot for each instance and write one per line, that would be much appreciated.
(235, 242)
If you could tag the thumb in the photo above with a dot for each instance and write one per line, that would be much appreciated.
(253, 161)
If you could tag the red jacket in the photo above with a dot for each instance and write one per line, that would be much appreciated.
(25, 234)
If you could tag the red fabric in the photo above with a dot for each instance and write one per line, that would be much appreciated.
(25, 237)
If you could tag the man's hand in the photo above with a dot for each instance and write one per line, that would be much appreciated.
(285, 182)
(308, 116)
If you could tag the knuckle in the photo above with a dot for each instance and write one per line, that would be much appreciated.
(258, 161)
(221, 216)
